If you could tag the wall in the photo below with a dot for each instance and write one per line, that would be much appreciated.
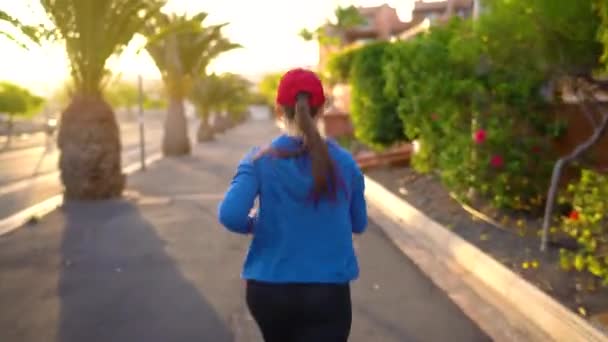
(578, 131)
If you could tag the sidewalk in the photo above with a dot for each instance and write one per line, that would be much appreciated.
(158, 267)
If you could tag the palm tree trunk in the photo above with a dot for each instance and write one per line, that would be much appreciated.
(89, 141)
(204, 133)
(175, 140)
(221, 122)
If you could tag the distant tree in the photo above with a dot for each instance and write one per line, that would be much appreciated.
(331, 33)
(17, 101)
(268, 87)
(181, 56)
(227, 96)
(122, 94)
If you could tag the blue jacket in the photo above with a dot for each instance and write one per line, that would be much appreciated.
(295, 240)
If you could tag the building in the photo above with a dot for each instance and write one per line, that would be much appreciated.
(441, 10)
(381, 23)
(427, 14)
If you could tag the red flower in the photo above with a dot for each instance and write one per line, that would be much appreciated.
(536, 149)
(434, 116)
(497, 161)
(480, 136)
(574, 215)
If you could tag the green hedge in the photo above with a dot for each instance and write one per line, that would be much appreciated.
(340, 64)
(374, 113)
(602, 7)
(474, 94)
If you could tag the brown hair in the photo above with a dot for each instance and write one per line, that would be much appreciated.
(323, 168)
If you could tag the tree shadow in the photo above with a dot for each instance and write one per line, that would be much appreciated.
(118, 284)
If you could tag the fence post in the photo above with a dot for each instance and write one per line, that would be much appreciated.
(142, 137)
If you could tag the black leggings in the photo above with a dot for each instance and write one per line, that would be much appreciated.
(301, 312)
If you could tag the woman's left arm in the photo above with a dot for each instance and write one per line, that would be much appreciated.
(233, 211)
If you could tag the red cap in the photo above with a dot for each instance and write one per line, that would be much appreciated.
(300, 80)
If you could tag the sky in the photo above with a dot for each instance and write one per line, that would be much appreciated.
(268, 30)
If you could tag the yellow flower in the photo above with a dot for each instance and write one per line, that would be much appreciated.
(582, 311)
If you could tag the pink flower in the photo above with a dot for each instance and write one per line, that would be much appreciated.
(497, 161)
(480, 136)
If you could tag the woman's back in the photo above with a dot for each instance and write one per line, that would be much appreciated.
(295, 237)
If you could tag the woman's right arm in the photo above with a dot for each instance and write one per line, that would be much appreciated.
(358, 208)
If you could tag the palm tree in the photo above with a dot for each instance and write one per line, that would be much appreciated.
(181, 56)
(89, 138)
(226, 97)
(238, 97)
(204, 95)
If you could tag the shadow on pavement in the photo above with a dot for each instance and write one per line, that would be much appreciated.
(118, 284)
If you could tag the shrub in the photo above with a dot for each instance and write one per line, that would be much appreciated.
(557, 37)
(374, 113)
(340, 64)
(268, 86)
(588, 224)
(602, 8)
(478, 95)
(481, 125)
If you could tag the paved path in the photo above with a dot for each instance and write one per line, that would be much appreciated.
(157, 267)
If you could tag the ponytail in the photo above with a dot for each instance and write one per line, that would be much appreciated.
(323, 168)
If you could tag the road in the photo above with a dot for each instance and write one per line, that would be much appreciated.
(29, 175)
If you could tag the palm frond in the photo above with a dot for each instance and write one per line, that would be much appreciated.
(219, 93)
(31, 32)
(182, 47)
(94, 30)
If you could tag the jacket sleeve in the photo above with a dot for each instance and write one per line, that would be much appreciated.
(233, 211)
(358, 207)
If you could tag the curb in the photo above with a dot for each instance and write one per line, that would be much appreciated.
(37, 211)
(542, 311)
